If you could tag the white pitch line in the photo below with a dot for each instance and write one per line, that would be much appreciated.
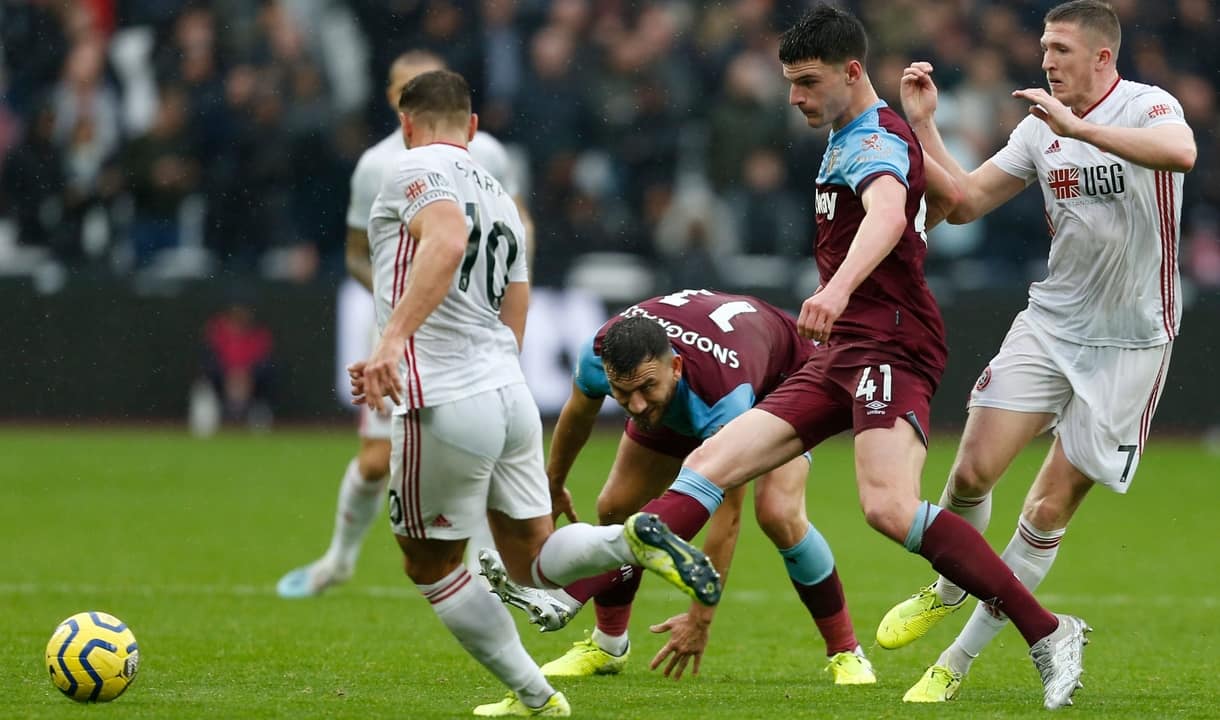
(738, 595)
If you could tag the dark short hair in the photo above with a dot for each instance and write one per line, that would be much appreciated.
(1093, 15)
(824, 33)
(437, 94)
(632, 341)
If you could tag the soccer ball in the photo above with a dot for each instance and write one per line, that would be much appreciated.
(92, 657)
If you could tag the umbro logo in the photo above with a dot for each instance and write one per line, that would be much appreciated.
(876, 406)
(1054, 148)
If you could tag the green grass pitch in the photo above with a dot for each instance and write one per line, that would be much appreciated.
(184, 540)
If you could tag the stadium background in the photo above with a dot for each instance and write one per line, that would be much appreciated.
(161, 161)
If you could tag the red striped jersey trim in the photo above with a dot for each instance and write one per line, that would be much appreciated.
(415, 387)
(1165, 205)
(399, 268)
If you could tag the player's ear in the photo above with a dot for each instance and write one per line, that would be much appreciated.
(855, 70)
(1105, 56)
(676, 364)
(474, 126)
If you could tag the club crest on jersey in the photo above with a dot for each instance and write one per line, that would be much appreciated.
(832, 159)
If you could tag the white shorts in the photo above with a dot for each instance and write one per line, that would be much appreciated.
(355, 338)
(452, 463)
(1103, 398)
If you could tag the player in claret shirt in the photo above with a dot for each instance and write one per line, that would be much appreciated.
(884, 342)
(682, 366)
(1088, 356)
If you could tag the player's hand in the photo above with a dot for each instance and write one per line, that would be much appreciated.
(819, 313)
(1044, 106)
(918, 93)
(381, 376)
(355, 374)
(687, 641)
(561, 503)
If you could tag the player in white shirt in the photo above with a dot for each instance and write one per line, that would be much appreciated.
(451, 287)
(1088, 356)
(363, 483)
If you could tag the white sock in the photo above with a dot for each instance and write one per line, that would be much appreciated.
(580, 550)
(1030, 554)
(974, 510)
(616, 645)
(562, 596)
(480, 538)
(484, 628)
(359, 504)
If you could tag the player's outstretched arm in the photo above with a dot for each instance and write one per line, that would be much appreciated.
(943, 193)
(356, 257)
(690, 631)
(1161, 147)
(919, 99)
(572, 430)
(980, 191)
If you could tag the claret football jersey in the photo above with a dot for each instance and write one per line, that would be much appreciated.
(735, 349)
(893, 305)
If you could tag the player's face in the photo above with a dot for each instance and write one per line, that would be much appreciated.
(646, 392)
(1069, 58)
(818, 90)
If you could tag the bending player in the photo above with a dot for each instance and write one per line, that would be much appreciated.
(1088, 356)
(683, 366)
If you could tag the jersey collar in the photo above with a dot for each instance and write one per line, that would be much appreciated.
(1102, 99)
(859, 118)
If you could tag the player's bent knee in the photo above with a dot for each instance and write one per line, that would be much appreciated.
(972, 479)
(613, 508)
(784, 523)
(428, 561)
(889, 519)
(373, 461)
(1045, 514)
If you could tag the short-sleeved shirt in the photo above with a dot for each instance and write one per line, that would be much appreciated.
(371, 168)
(893, 305)
(462, 348)
(1113, 265)
(735, 350)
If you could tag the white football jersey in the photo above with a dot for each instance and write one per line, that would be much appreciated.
(1113, 265)
(462, 348)
(371, 168)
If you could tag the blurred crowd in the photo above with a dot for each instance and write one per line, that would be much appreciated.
(207, 137)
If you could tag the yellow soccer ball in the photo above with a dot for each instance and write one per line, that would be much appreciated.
(92, 657)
